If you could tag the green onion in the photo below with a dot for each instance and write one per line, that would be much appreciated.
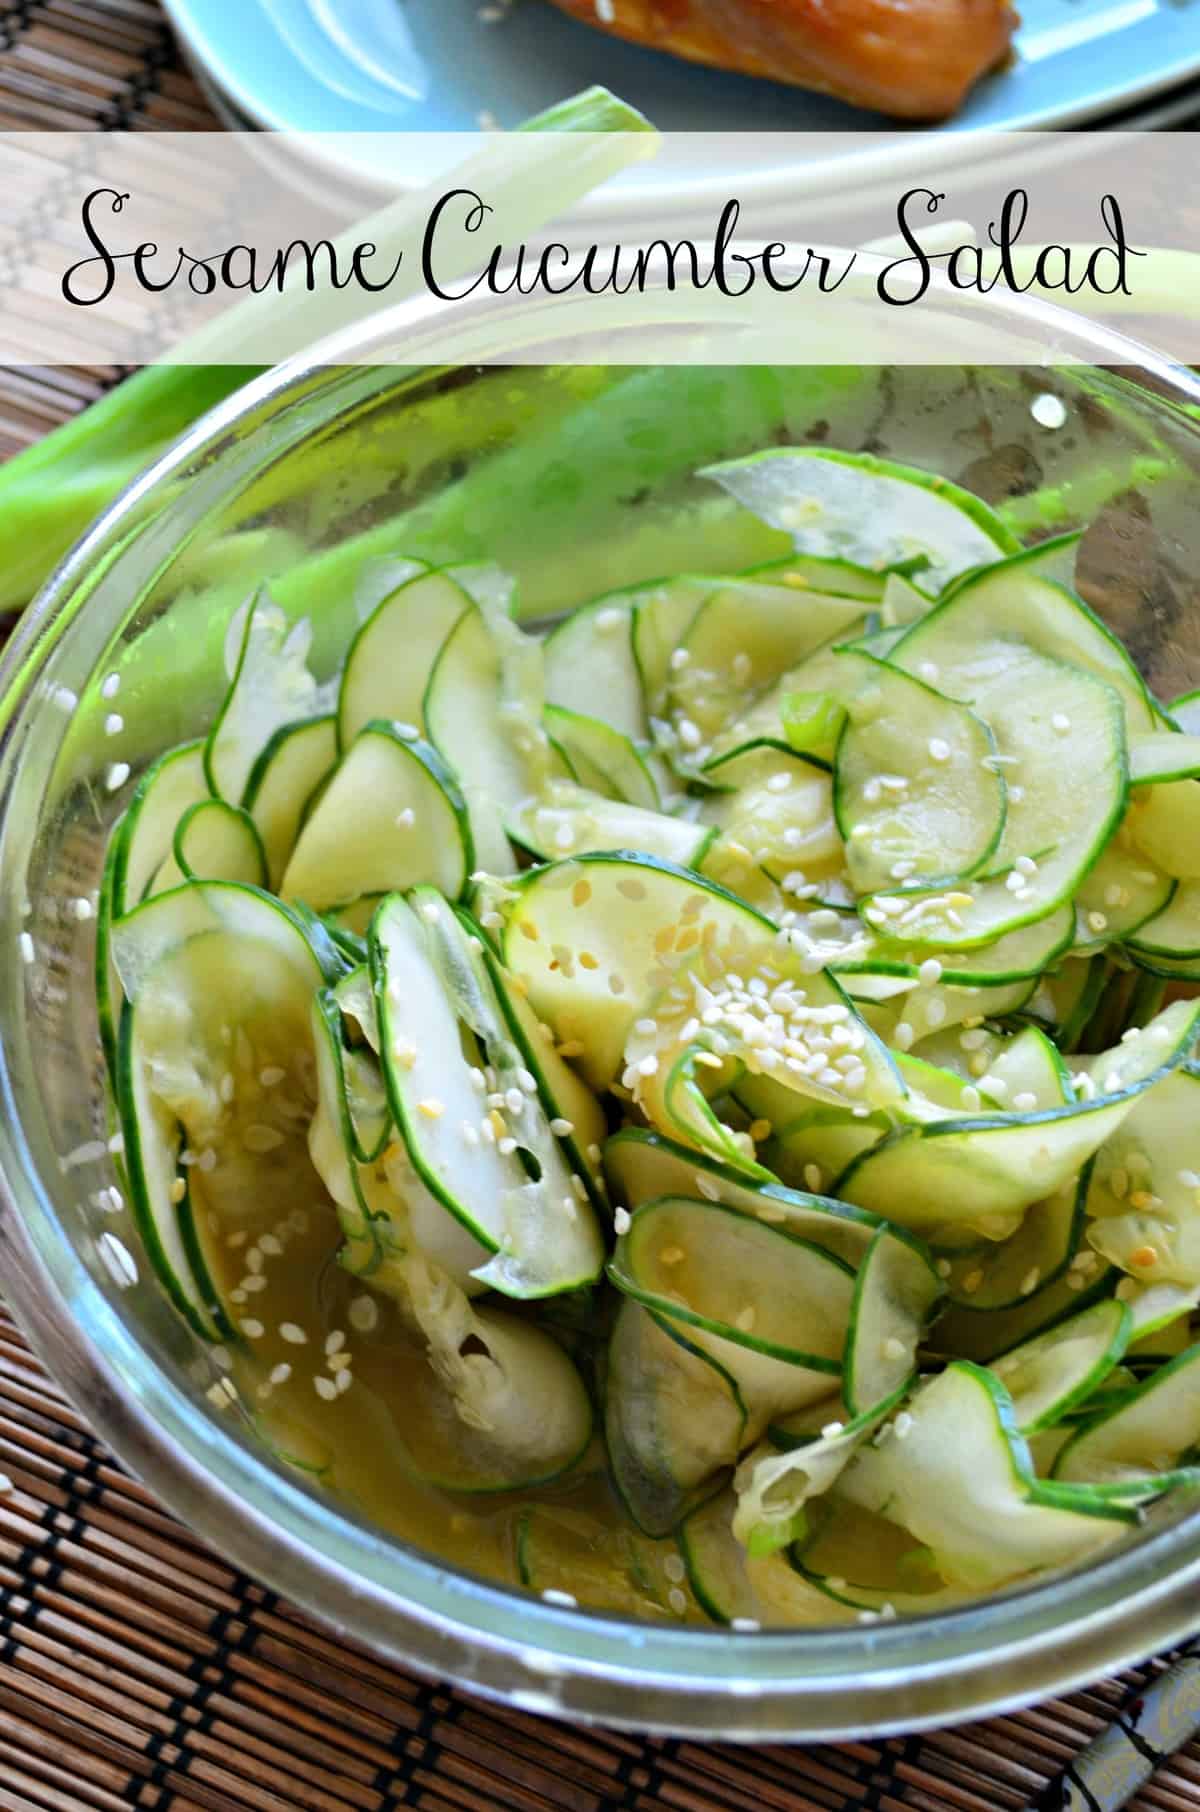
(52, 492)
(812, 720)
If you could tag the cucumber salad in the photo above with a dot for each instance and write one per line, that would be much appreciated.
(693, 1111)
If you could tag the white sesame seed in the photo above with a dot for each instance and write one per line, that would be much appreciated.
(831, 1429)
(253, 1330)
(117, 775)
(325, 1387)
(1025, 1102)
(903, 1425)
(363, 1314)
(279, 1374)
(971, 1099)
(689, 734)
(930, 972)
(111, 686)
(64, 698)
(622, 1221)
(295, 1336)
(679, 659)
(939, 749)
(1097, 921)
(25, 946)
(1060, 723)
(552, 1595)
(114, 723)
(903, 1035)
(1025, 865)
(779, 783)
(609, 618)
(406, 819)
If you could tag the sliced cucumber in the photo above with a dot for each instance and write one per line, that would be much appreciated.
(483, 709)
(895, 1294)
(390, 817)
(1185, 711)
(1143, 1205)
(661, 614)
(644, 1165)
(983, 1335)
(1004, 1274)
(673, 1419)
(869, 512)
(865, 1563)
(743, 638)
(961, 1480)
(915, 794)
(953, 1180)
(1171, 936)
(590, 667)
(775, 812)
(390, 659)
(738, 1588)
(144, 837)
(269, 686)
(814, 1146)
(771, 1309)
(1052, 1374)
(1164, 824)
(282, 781)
(606, 751)
(214, 841)
(563, 1549)
(821, 675)
(570, 818)
(441, 1027)
(1121, 894)
(1146, 1441)
(1164, 756)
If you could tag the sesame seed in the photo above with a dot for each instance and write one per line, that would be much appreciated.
(253, 1330)
(117, 775)
(406, 819)
(930, 972)
(64, 698)
(971, 1099)
(779, 783)
(928, 672)
(1060, 723)
(622, 1221)
(431, 913)
(746, 1318)
(609, 618)
(114, 723)
(903, 1425)
(675, 1598)
(272, 1076)
(257, 1139)
(1097, 921)
(1029, 1282)
(707, 1188)
(431, 1108)
(326, 1388)
(903, 1035)
(1025, 1102)
(894, 1349)
(279, 1374)
(25, 946)
(111, 686)
(689, 734)
(363, 1314)
(295, 1336)
(178, 1190)
(679, 659)
(939, 749)
(831, 1429)
(552, 1595)
(562, 1129)
(1025, 865)
(813, 1178)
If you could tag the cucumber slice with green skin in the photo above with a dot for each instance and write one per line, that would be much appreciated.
(591, 670)
(775, 811)
(821, 673)
(962, 1481)
(1121, 894)
(269, 686)
(741, 1290)
(609, 751)
(1065, 999)
(1137, 1448)
(287, 774)
(568, 1102)
(1142, 1214)
(895, 1294)
(1004, 1275)
(867, 1563)
(661, 614)
(1016, 596)
(1028, 1074)
(870, 512)
(1172, 936)
(570, 818)
(160, 1199)
(219, 982)
(963, 1332)
(390, 659)
(739, 1589)
(390, 817)
(214, 841)
(1018, 956)
(902, 602)
(562, 1549)
(1065, 797)
(819, 1144)
(361, 1076)
(1164, 757)
(674, 1419)
(1052, 1374)
(500, 1405)
(143, 839)
(957, 1179)
(440, 1026)
(483, 711)
(333, 1145)
(915, 795)
(1185, 711)
(642, 1166)
(742, 639)
(638, 923)
(1164, 822)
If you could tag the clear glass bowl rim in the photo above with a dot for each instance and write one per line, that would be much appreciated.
(827, 1684)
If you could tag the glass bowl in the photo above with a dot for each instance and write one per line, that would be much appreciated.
(576, 477)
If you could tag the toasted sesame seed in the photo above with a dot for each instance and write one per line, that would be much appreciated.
(671, 1255)
(1030, 1281)
(431, 1108)
(746, 1318)
(363, 1314)
(813, 1178)
(257, 1139)
(1143, 1257)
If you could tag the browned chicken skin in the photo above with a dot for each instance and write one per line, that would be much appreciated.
(914, 59)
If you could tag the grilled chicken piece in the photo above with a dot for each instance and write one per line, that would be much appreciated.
(914, 59)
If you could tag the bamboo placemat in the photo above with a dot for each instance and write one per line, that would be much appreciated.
(137, 1669)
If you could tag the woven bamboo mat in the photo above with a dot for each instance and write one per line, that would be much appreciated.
(210, 1694)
